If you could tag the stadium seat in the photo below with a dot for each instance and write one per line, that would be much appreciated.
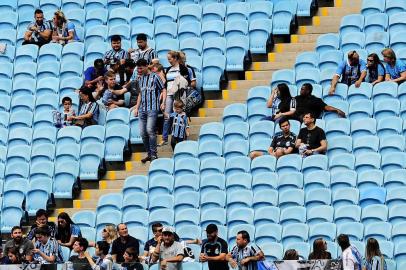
(160, 201)
(237, 50)
(284, 13)
(378, 230)
(216, 215)
(189, 13)
(266, 215)
(325, 230)
(389, 126)
(327, 42)
(295, 232)
(289, 163)
(259, 33)
(317, 197)
(394, 178)
(186, 199)
(345, 196)
(351, 23)
(239, 198)
(84, 218)
(294, 214)
(273, 251)
(395, 215)
(65, 178)
(91, 158)
(214, 11)
(391, 144)
(265, 197)
(240, 216)
(319, 214)
(237, 12)
(372, 196)
(160, 184)
(213, 68)
(116, 141)
(282, 76)
(134, 201)
(374, 213)
(135, 217)
(354, 230)
(291, 197)
(268, 233)
(212, 165)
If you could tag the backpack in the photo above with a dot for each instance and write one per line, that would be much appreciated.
(191, 97)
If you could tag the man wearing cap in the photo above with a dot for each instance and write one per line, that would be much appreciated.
(95, 74)
(214, 249)
(168, 252)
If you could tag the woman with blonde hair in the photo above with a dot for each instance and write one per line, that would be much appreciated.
(395, 69)
(63, 31)
(109, 234)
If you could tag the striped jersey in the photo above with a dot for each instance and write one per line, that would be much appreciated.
(148, 54)
(151, 86)
(179, 125)
(117, 55)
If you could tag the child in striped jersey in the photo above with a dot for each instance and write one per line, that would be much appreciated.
(180, 126)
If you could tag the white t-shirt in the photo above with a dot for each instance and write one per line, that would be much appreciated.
(349, 261)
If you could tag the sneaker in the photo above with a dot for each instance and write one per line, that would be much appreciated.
(163, 143)
(147, 158)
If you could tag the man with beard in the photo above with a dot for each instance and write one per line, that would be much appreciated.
(23, 246)
(95, 74)
(143, 51)
(214, 249)
(169, 252)
(123, 242)
(38, 32)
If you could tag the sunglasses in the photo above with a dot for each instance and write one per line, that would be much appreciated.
(370, 60)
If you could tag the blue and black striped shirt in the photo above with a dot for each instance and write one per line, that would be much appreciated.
(151, 86)
(179, 125)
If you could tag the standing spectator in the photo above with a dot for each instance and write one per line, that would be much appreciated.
(352, 259)
(95, 74)
(395, 69)
(46, 248)
(191, 71)
(143, 51)
(291, 254)
(22, 246)
(41, 220)
(88, 110)
(283, 143)
(131, 260)
(150, 101)
(175, 70)
(169, 252)
(151, 243)
(180, 126)
(311, 139)
(375, 69)
(67, 232)
(374, 258)
(39, 31)
(243, 255)
(306, 102)
(123, 242)
(14, 256)
(352, 71)
(63, 31)
(214, 249)
(281, 103)
(320, 250)
(109, 99)
(103, 261)
(116, 54)
(80, 261)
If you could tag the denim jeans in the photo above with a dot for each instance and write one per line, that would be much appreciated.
(148, 131)
(168, 109)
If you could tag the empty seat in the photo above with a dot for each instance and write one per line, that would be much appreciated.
(354, 230)
(345, 196)
(319, 214)
(374, 213)
(283, 15)
(372, 196)
(351, 23)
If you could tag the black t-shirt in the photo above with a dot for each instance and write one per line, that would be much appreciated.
(280, 141)
(308, 104)
(213, 249)
(132, 266)
(80, 263)
(150, 243)
(312, 137)
(134, 90)
(119, 247)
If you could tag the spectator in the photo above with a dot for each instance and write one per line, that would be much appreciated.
(95, 74)
(374, 258)
(375, 69)
(320, 250)
(159, 69)
(3, 257)
(109, 99)
(68, 111)
(169, 252)
(175, 70)
(150, 101)
(151, 243)
(283, 143)
(352, 259)
(63, 31)
(41, 220)
(103, 261)
(306, 102)
(143, 51)
(109, 234)
(191, 71)
(281, 103)
(129, 67)
(22, 246)
(46, 248)
(116, 54)
(88, 111)
(131, 260)
(214, 249)
(291, 254)
(395, 69)
(14, 256)
(311, 139)
(243, 255)
(352, 71)
(123, 242)
(67, 232)
(180, 126)
(39, 31)
(80, 261)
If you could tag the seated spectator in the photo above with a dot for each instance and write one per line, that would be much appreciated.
(151, 243)
(352, 71)
(306, 102)
(131, 260)
(39, 31)
(214, 249)
(375, 70)
(179, 123)
(192, 74)
(22, 246)
(350, 255)
(46, 248)
(103, 261)
(168, 252)
(123, 242)
(105, 91)
(283, 143)
(374, 258)
(67, 232)
(395, 69)
(243, 255)
(88, 110)
(129, 67)
(320, 250)
(68, 112)
(80, 261)
(95, 74)
(116, 54)
(63, 31)
(14, 256)
(291, 254)
(311, 139)
(281, 103)
(143, 51)
(3, 257)
(41, 220)
(109, 234)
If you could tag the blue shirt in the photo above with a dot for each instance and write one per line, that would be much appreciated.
(50, 248)
(395, 71)
(65, 29)
(345, 71)
(151, 86)
(90, 73)
(372, 74)
(179, 125)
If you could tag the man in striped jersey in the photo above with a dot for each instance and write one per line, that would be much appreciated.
(143, 51)
(116, 53)
(150, 101)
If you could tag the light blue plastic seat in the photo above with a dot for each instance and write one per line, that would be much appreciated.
(23, 71)
(44, 135)
(23, 87)
(387, 249)
(240, 216)
(116, 142)
(190, 12)
(370, 178)
(69, 134)
(95, 17)
(10, 217)
(291, 197)
(232, 233)
(238, 181)
(237, 164)
(351, 23)
(186, 198)
(395, 215)
(375, 42)
(372, 7)
(365, 144)
(237, 12)
(124, 31)
(134, 201)
(283, 76)
(235, 131)
(38, 195)
(185, 149)
(237, 50)
(191, 167)
(163, 48)
(212, 72)
(294, 214)
(14, 192)
(165, 14)
(337, 127)
(160, 201)
(266, 215)
(214, 11)
(210, 149)
(48, 69)
(44, 152)
(263, 164)
(212, 165)
(392, 143)
(345, 196)
(166, 31)
(327, 42)
(339, 145)
(214, 46)
(18, 153)
(259, 33)
(354, 230)
(73, 51)
(211, 131)
(362, 127)
(135, 217)
(316, 179)
(161, 166)
(295, 232)
(268, 233)
(386, 108)
(213, 28)
(360, 109)
(394, 178)
(372, 196)
(26, 53)
(290, 180)
(239, 198)
(84, 218)
(314, 163)
(160, 184)
(234, 113)
(20, 119)
(319, 214)
(19, 136)
(6, 86)
(65, 178)
(214, 181)
(107, 218)
(135, 184)
(394, 197)
(389, 126)
(393, 161)
(396, 24)
(306, 60)
(187, 217)
(91, 158)
(67, 152)
(117, 116)
(192, 46)
(189, 30)
(261, 130)
(120, 15)
(284, 13)
(289, 163)
(272, 251)
(374, 213)
(384, 90)
(376, 22)
(325, 230)
(22, 103)
(398, 236)
(190, 232)
(9, 54)
(378, 230)
(95, 34)
(317, 197)
(307, 75)
(216, 215)
(265, 197)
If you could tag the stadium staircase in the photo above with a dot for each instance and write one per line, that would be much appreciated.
(326, 20)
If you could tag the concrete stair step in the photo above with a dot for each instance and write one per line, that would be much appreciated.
(95, 194)
(258, 66)
(203, 120)
(259, 75)
(321, 29)
(242, 84)
(217, 103)
(210, 111)
(293, 47)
